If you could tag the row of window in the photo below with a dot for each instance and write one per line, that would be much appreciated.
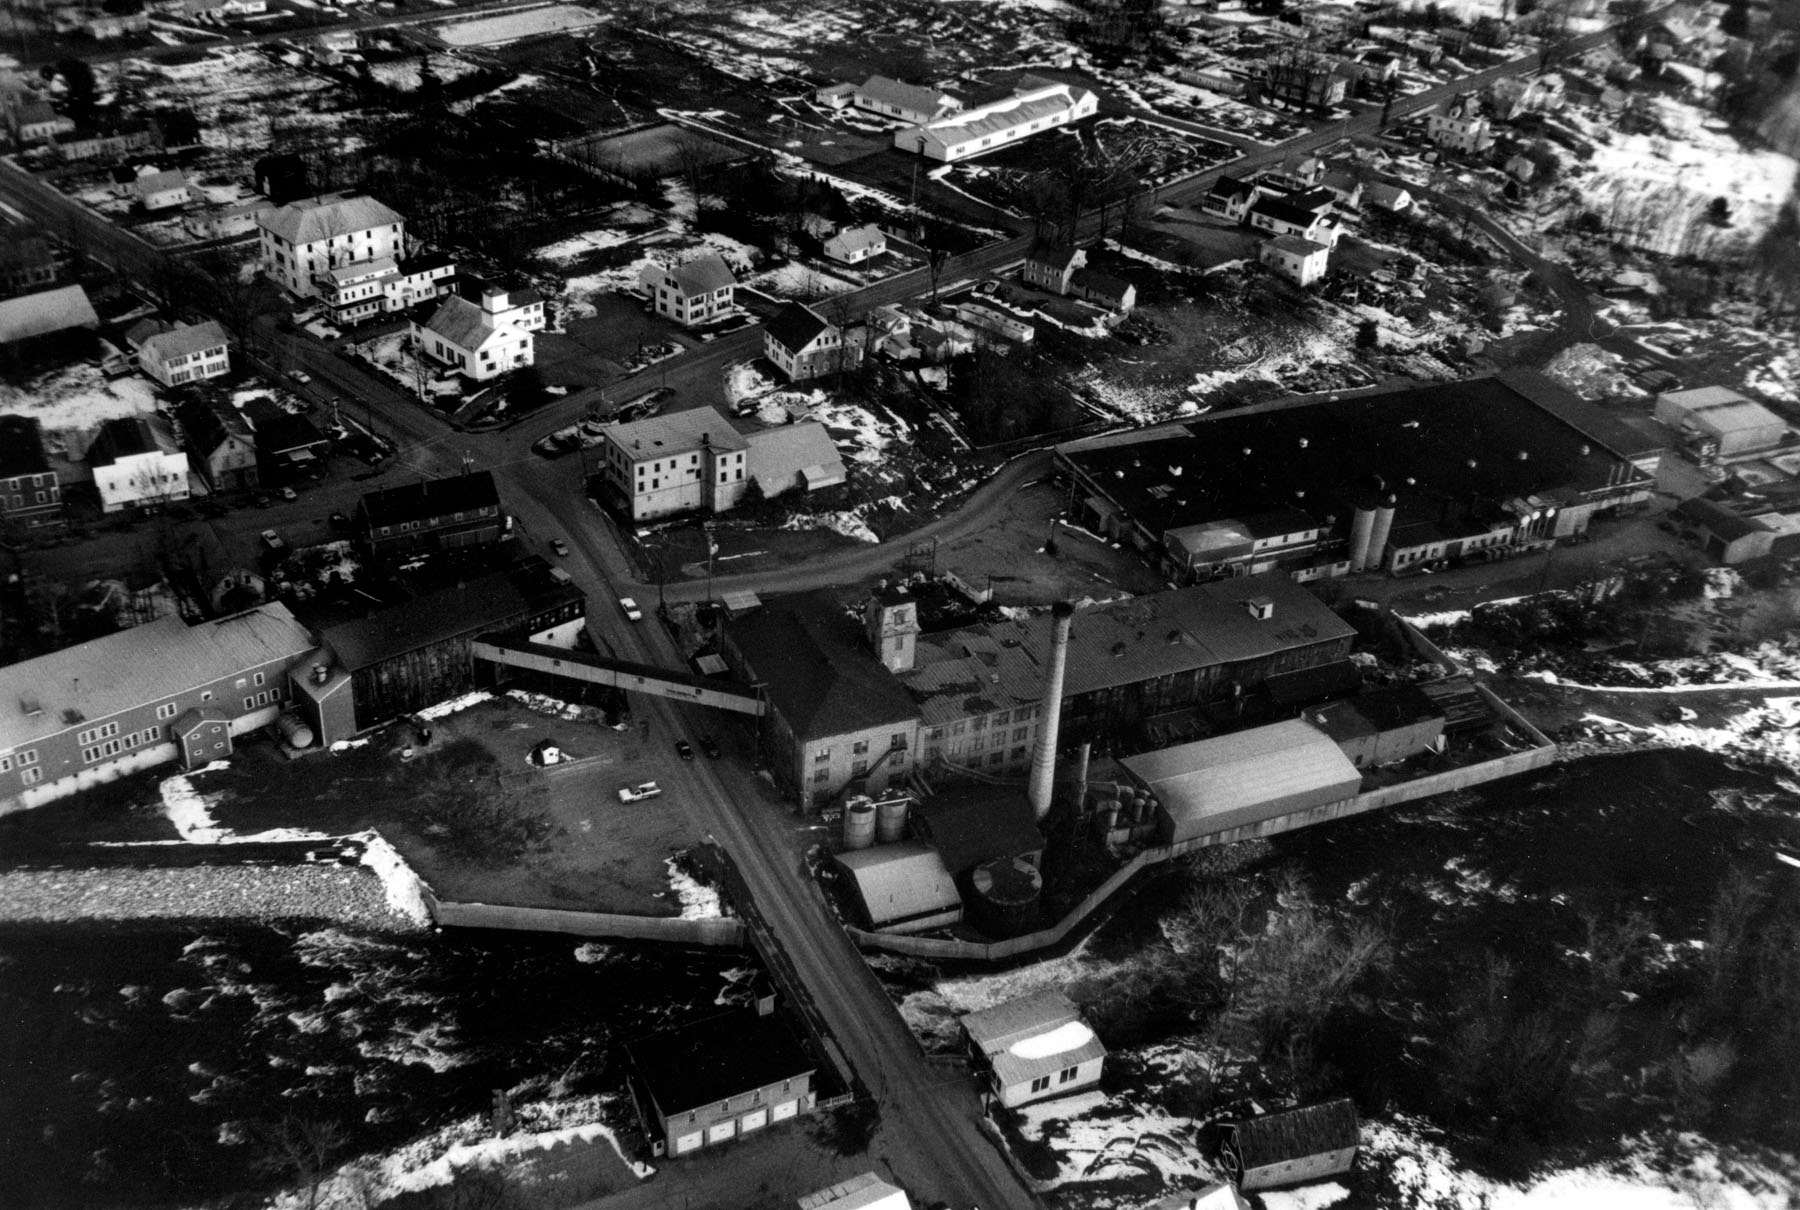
(434, 522)
(18, 501)
(127, 743)
(754, 1099)
(12, 485)
(1065, 1076)
(24, 760)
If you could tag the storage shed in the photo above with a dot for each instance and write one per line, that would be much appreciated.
(1246, 782)
(1382, 726)
(1035, 1047)
(902, 888)
(1308, 1143)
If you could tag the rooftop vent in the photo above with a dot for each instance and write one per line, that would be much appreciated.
(1174, 636)
(1260, 608)
(1118, 649)
(30, 706)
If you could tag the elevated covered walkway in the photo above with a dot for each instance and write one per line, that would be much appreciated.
(595, 669)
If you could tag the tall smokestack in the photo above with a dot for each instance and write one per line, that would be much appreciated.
(1043, 761)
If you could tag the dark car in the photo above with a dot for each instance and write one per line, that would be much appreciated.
(684, 750)
(709, 746)
(263, 502)
(340, 521)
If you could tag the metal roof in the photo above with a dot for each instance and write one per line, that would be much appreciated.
(45, 312)
(900, 881)
(1231, 780)
(817, 670)
(1001, 1030)
(1297, 1133)
(904, 95)
(863, 1192)
(97, 679)
(491, 602)
(1005, 114)
(1722, 409)
(308, 222)
(676, 433)
(779, 455)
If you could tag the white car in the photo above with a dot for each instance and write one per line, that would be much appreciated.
(273, 539)
(300, 376)
(639, 793)
(632, 612)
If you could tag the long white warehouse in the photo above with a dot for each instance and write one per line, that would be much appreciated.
(1044, 105)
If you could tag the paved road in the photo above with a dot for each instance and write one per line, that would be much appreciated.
(928, 1125)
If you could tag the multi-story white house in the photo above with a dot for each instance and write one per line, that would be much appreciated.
(803, 344)
(1040, 105)
(363, 289)
(136, 462)
(1461, 126)
(302, 242)
(691, 293)
(691, 461)
(183, 353)
(483, 340)
(1300, 260)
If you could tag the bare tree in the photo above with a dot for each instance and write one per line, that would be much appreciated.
(303, 1149)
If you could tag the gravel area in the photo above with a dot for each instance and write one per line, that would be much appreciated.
(309, 892)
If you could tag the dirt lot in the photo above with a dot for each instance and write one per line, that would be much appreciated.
(587, 850)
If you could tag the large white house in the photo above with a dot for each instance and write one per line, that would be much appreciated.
(1041, 105)
(1300, 260)
(691, 293)
(483, 340)
(1461, 126)
(183, 353)
(691, 461)
(303, 242)
(804, 344)
(136, 461)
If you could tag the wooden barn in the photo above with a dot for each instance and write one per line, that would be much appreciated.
(1293, 1147)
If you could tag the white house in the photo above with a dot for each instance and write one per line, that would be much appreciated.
(1300, 260)
(903, 102)
(854, 245)
(1392, 198)
(1042, 105)
(692, 461)
(1306, 215)
(160, 190)
(136, 461)
(1034, 1048)
(693, 292)
(361, 289)
(803, 344)
(302, 242)
(482, 340)
(183, 353)
(1461, 126)
(35, 122)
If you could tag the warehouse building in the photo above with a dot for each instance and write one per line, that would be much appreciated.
(142, 697)
(1386, 480)
(1383, 726)
(901, 888)
(1250, 783)
(719, 1080)
(871, 705)
(433, 514)
(1719, 425)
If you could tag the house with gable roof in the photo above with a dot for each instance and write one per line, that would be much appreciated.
(804, 344)
(692, 292)
(1034, 1047)
(1292, 1147)
(903, 102)
(854, 245)
(486, 339)
(29, 494)
(161, 190)
(136, 461)
(1231, 198)
(183, 353)
(1039, 105)
(1300, 260)
(220, 444)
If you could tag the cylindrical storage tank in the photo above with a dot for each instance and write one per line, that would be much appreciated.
(890, 820)
(1005, 895)
(1108, 812)
(1378, 537)
(1362, 522)
(293, 729)
(859, 823)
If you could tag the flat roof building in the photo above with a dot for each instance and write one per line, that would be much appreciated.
(1716, 422)
(720, 1079)
(1035, 1047)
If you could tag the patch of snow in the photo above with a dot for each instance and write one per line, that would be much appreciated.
(455, 704)
(1071, 1035)
(698, 901)
(403, 887)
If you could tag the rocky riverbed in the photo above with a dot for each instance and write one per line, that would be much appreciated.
(347, 895)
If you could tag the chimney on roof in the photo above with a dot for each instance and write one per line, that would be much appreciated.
(1043, 761)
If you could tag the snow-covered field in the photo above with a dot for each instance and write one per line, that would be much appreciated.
(78, 398)
(525, 23)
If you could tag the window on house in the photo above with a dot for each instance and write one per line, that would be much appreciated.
(28, 757)
(823, 755)
(860, 746)
(1040, 1084)
(859, 768)
(166, 710)
(31, 777)
(1067, 1075)
(256, 679)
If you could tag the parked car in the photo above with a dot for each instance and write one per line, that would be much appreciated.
(684, 750)
(300, 376)
(710, 746)
(560, 547)
(639, 792)
(263, 501)
(288, 493)
(630, 609)
(273, 539)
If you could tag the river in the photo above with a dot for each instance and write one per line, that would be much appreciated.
(145, 1063)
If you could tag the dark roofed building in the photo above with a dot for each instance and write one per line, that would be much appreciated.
(719, 1079)
(29, 495)
(281, 178)
(286, 444)
(803, 344)
(220, 444)
(970, 825)
(1293, 1147)
(48, 326)
(1483, 466)
(1382, 726)
(412, 654)
(435, 514)
(836, 715)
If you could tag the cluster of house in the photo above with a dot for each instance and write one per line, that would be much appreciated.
(350, 253)
(940, 127)
(31, 121)
(1296, 206)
